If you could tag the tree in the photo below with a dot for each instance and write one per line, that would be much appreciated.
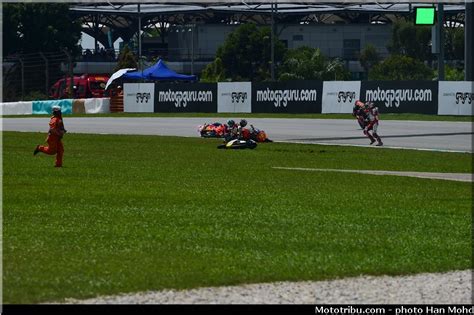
(306, 63)
(411, 40)
(369, 57)
(126, 59)
(245, 54)
(39, 27)
(397, 67)
(452, 73)
(10, 26)
(454, 43)
(214, 72)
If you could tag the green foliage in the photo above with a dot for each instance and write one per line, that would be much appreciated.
(34, 27)
(214, 72)
(245, 54)
(305, 63)
(411, 40)
(451, 73)
(397, 67)
(138, 213)
(126, 59)
(454, 43)
(369, 57)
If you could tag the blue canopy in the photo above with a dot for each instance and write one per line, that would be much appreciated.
(159, 71)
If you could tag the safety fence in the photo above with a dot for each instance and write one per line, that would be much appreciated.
(26, 75)
(424, 97)
(68, 106)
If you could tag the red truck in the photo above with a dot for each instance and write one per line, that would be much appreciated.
(84, 86)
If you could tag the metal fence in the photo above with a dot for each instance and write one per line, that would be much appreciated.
(28, 76)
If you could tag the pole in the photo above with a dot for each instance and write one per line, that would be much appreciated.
(22, 78)
(441, 42)
(192, 48)
(46, 72)
(70, 66)
(272, 65)
(468, 42)
(139, 38)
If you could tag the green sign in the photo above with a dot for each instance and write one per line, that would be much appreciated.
(425, 16)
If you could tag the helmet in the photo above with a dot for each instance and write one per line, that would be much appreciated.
(243, 123)
(56, 110)
(231, 123)
(359, 103)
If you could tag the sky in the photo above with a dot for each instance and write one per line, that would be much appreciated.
(88, 42)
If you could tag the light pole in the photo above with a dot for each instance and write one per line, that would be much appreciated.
(272, 66)
(139, 38)
(441, 42)
(468, 42)
(193, 29)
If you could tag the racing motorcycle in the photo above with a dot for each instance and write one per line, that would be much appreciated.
(215, 130)
(255, 134)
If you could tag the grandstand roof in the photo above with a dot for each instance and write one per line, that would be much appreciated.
(98, 17)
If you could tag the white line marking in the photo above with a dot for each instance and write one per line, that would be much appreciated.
(460, 177)
(370, 146)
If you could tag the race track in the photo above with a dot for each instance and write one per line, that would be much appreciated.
(424, 135)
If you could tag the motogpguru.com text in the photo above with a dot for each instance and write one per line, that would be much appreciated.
(395, 309)
(282, 97)
(392, 97)
(181, 98)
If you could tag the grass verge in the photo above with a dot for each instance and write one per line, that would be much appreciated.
(137, 213)
(417, 117)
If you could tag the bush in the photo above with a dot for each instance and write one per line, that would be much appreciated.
(397, 67)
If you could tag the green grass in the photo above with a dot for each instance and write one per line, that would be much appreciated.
(137, 213)
(420, 117)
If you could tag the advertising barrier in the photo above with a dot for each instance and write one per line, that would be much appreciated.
(340, 96)
(234, 97)
(402, 96)
(46, 107)
(456, 98)
(287, 97)
(16, 108)
(186, 97)
(138, 97)
(97, 105)
(78, 106)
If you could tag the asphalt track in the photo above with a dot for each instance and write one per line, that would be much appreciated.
(422, 135)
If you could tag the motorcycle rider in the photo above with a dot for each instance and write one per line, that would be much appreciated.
(232, 131)
(240, 128)
(359, 112)
(372, 123)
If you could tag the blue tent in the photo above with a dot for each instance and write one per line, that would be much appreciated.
(159, 71)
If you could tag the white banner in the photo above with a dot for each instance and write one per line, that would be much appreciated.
(139, 97)
(234, 97)
(16, 108)
(340, 96)
(97, 105)
(455, 97)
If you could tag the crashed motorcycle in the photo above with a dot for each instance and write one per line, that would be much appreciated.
(215, 130)
(238, 144)
(255, 134)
